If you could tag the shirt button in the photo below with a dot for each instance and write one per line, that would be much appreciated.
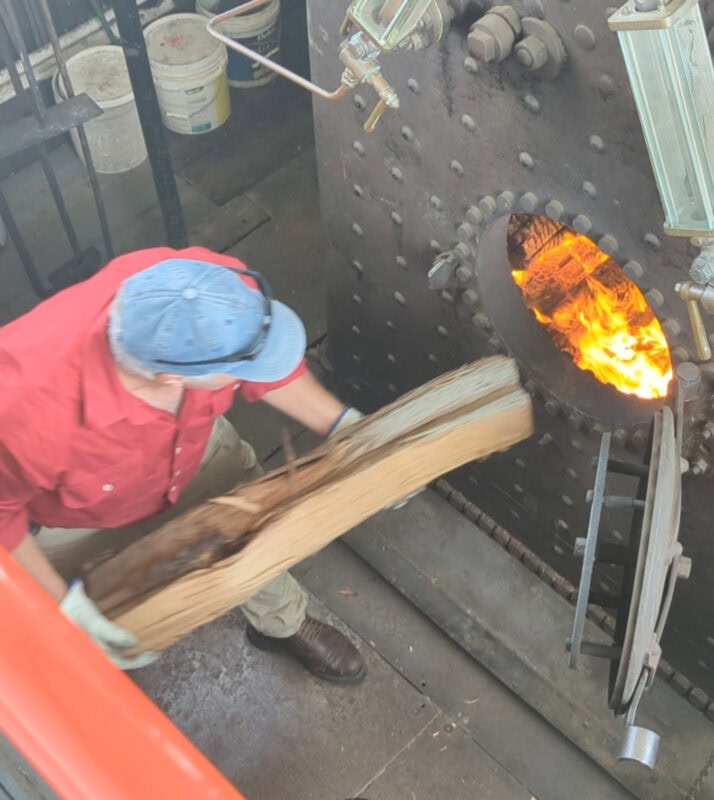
(108, 487)
(173, 489)
(178, 450)
(177, 472)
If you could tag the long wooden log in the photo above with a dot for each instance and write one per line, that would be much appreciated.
(211, 559)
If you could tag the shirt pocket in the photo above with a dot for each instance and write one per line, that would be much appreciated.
(118, 484)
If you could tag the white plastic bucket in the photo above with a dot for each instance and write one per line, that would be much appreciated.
(115, 139)
(189, 69)
(259, 31)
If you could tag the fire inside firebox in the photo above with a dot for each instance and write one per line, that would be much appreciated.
(591, 309)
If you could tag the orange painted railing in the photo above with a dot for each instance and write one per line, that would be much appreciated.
(84, 726)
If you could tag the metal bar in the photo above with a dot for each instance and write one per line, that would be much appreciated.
(12, 29)
(244, 8)
(84, 725)
(625, 468)
(142, 83)
(81, 133)
(40, 288)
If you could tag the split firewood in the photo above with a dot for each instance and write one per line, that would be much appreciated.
(210, 559)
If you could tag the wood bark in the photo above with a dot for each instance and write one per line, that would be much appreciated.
(200, 565)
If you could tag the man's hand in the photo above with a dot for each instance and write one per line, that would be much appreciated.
(111, 638)
(350, 416)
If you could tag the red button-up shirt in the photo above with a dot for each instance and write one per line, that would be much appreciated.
(77, 450)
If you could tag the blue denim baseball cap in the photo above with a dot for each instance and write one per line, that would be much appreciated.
(192, 318)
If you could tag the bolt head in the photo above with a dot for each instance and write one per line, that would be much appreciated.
(482, 45)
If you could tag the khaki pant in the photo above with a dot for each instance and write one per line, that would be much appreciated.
(278, 609)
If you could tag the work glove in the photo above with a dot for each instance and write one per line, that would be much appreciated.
(111, 638)
(349, 417)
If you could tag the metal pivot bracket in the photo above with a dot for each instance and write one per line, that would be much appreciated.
(693, 294)
(651, 564)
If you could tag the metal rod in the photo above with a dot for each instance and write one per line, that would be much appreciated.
(625, 468)
(81, 133)
(41, 289)
(142, 83)
(244, 8)
(11, 31)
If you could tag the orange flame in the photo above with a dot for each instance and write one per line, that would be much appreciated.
(597, 315)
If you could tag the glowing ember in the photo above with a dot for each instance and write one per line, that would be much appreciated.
(596, 314)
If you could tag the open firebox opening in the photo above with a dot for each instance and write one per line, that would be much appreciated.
(591, 309)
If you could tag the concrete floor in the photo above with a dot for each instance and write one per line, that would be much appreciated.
(428, 721)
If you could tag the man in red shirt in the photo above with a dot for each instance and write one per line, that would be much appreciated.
(113, 391)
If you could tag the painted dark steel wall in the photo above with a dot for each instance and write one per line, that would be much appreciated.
(497, 139)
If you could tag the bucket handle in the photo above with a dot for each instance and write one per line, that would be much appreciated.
(244, 8)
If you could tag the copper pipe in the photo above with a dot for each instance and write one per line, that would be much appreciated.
(244, 8)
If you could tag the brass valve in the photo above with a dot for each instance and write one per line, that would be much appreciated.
(693, 295)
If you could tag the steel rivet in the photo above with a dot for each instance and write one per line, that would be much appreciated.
(401, 262)
(396, 218)
(571, 473)
(433, 358)
(391, 358)
(357, 299)
(575, 444)
(474, 216)
(520, 463)
(357, 229)
(680, 355)
(357, 189)
(488, 206)
(466, 231)
(505, 201)
(441, 330)
(608, 244)
(634, 271)
(607, 86)
(470, 297)
(396, 173)
(393, 389)
(471, 65)
(435, 246)
(358, 267)
(653, 241)
(616, 535)
(456, 167)
(526, 160)
(356, 358)
(585, 37)
(399, 297)
(358, 147)
(391, 325)
(356, 330)
(567, 500)
(552, 407)
(464, 274)
(620, 436)
(468, 122)
(655, 298)
(554, 209)
(558, 549)
(517, 488)
(582, 224)
(589, 189)
(448, 297)
(480, 320)
(529, 202)
(413, 86)
(671, 327)
(575, 421)
(597, 144)
(562, 525)
(407, 134)
(359, 101)
(435, 202)
(496, 344)
(531, 102)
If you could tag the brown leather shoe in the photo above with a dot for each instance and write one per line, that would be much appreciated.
(319, 647)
